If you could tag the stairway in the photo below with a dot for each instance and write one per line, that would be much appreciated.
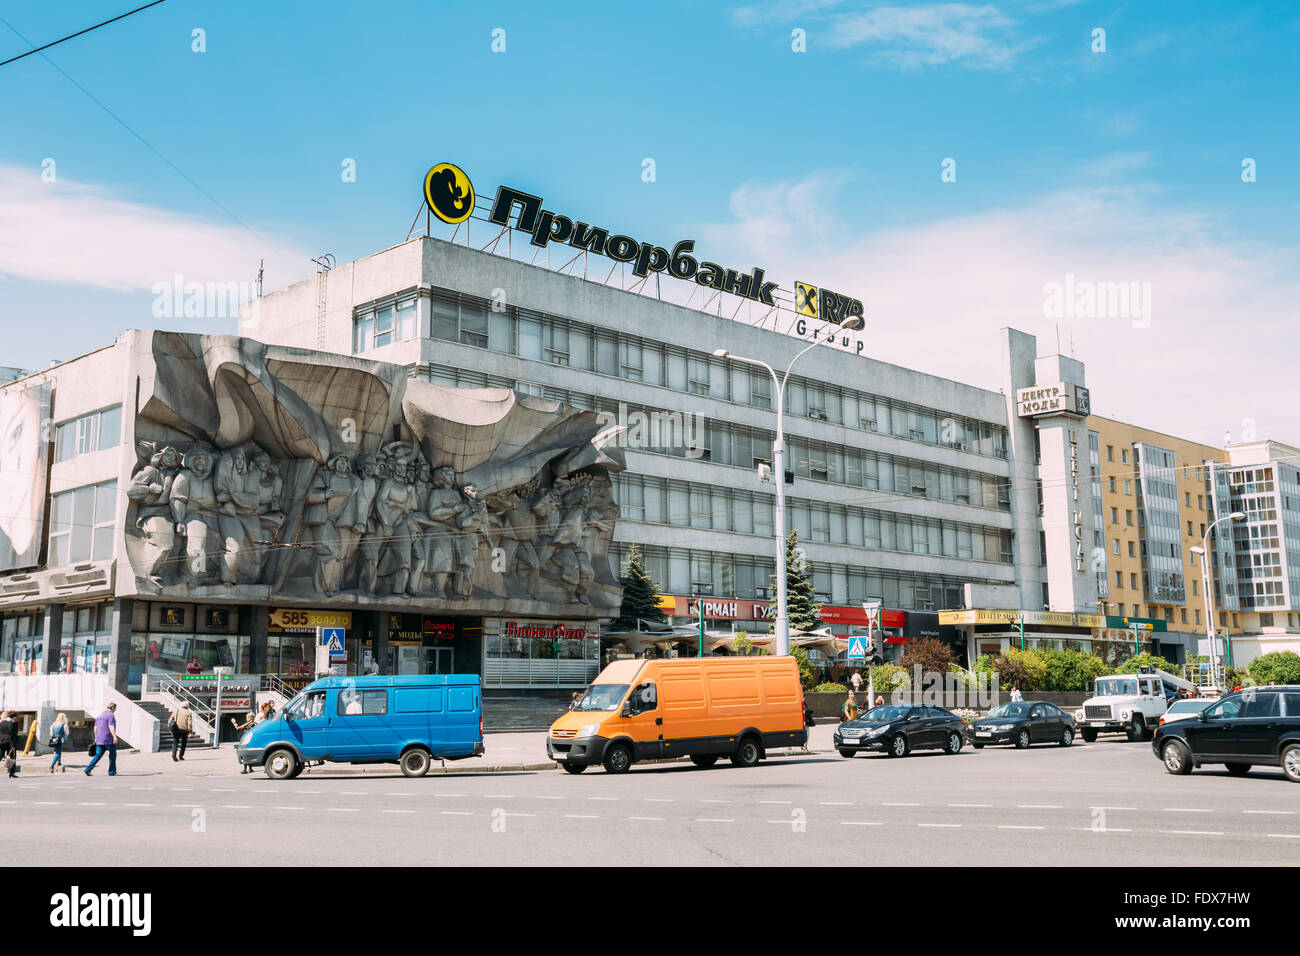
(164, 735)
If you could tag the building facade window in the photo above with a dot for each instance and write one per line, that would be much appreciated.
(391, 319)
(81, 524)
(89, 433)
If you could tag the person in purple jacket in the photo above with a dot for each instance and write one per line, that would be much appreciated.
(105, 739)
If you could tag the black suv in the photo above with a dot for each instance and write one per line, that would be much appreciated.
(1258, 726)
(898, 729)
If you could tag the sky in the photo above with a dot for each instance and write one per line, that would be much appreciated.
(955, 166)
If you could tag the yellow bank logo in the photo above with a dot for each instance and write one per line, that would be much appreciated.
(805, 299)
(449, 193)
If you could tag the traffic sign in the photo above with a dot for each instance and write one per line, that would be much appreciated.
(332, 637)
(857, 648)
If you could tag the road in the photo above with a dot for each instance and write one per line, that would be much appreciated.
(1104, 803)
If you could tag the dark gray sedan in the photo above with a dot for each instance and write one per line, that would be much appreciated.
(898, 729)
(1022, 723)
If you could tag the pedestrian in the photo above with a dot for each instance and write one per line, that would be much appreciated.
(193, 666)
(808, 722)
(181, 723)
(58, 734)
(7, 753)
(372, 669)
(1016, 696)
(880, 701)
(850, 709)
(270, 710)
(573, 701)
(250, 720)
(105, 740)
(856, 682)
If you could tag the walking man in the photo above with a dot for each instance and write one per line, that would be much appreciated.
(856, 682)
(182, 723)
(7, 753)
(105, 740)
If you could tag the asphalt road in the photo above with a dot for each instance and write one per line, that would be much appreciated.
(1104, 803)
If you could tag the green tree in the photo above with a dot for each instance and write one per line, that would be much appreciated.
(1023, 669)
(1071, 670)
(745, 647)
(1279, 667)
(807, 677)
(800, 599)
(640, 595)
(934, 656)
(1137, 661)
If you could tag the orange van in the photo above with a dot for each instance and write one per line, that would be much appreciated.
(702, 708)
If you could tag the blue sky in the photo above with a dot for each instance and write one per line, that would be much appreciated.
(1115, 166)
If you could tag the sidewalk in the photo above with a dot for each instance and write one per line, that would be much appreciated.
(504, 753)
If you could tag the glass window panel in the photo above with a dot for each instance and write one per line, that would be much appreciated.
(444, 320)
(110, 427)
(103, 543)
(651, 365)
(66, 442)
(654, 502)
(743, 509)
(530, 339)
(677, 371)
(740, 385)
(580, 349)
(83, 517)
(105, 501)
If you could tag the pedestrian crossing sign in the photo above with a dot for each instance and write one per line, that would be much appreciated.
(332, 637)
(857, 648)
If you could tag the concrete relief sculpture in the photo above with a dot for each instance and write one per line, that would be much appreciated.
(268, 472)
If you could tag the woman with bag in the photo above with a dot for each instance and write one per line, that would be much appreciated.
(7, 753)
(58, 734)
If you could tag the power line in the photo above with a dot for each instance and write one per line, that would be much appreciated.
(72, 36)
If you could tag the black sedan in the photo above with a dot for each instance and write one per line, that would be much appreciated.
(898, 729)
(1022, 723)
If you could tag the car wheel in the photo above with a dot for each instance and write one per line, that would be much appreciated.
(415, 762)
(1022, 739)
(1136, 730)
(704, 760)
(1177, 758)
(1089, 735)
(1067, 737)
(953, 744)
(618, 758)
(747, 754)
(898, 747)
(1238, 769)
(571, 767)
(281, 764)
(1291, 762)
(847, 753)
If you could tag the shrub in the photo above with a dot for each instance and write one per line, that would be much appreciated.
(1023, 669)
(935, 657)
(1137, 661)
(1070, 670)
(1278, 667)
(806, 676)
(831, 689)
(889, 678)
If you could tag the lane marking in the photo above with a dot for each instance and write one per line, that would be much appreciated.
(354, 793)
(784, 803)
(1195, 832)
(581, 816)
(834, 803)
(500, 796)
(396, 811)
(79, 804)
(1039, 806)
(659, 800)
(970, 804)
(602, 798)
(658, 819)
(518, 814)
(221, 791)
(1279, 812)
(306, 791)
(137, 804)
(237, 806)
(1008, 826)
(287, 808)
(1114, 808)
(173, 789)
(49, 803)
(714, 820)
(1187, 810)
(715, 801)
(859, 823)
(456, 813)
(947, 826)
(342, 810)
(1105, 829)
(901, 804)
(443, 794)
(541, 797)
(1285, 836)
(186, 805)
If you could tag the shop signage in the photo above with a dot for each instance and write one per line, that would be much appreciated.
(300, 621)
(735, 610)
(1013, 618)
(450, 196)
(233, 702)
(436, 629)
(1141, 623)
(1075, 509)
(1060, 398)
(548, 632)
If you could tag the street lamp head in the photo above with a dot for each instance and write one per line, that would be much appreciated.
(720, 353)
(1238, 516)
(854, 323)
(1197, 550)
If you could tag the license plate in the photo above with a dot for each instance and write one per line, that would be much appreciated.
(851, 740)
(983, 733)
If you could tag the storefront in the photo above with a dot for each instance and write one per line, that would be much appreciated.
(523, 653)
(172, 639)
(420, 644)
(291, 642)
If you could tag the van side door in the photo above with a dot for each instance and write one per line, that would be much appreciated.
(309, 726)
(362, 722)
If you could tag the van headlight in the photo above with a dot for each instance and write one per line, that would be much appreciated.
(589, 730)
(244, 739)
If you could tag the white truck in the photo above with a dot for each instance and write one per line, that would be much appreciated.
(1129, 703)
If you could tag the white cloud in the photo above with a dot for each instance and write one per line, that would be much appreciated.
(906, 35)
(1219, 348)
(79, 234)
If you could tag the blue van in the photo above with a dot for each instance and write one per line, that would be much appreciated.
(409, 720)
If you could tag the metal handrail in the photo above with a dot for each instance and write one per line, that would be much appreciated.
(202, 712)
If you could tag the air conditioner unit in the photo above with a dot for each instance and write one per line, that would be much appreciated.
(868, 423)
(959, 444)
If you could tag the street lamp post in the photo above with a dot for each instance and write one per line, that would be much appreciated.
(1208, 597)
(851, 324)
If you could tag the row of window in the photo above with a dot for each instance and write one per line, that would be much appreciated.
(89, 433)
(726, 443)
(688, 504)
(559, 341)
(748, 577)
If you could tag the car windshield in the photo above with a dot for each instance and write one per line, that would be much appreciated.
(294, 707)
(602, 697)
(886, 712)
(1016, 709)
(1188, 706)
(1117, 687)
